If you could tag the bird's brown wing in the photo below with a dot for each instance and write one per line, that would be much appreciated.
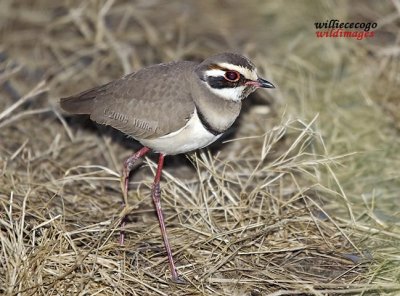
(150, 103)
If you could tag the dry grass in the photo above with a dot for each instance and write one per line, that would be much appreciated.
(300, 200)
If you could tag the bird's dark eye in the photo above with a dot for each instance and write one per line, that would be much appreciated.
(232, 76)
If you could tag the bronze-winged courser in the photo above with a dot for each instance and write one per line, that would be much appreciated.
(171, 108)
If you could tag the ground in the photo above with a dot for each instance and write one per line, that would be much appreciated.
(298, 199)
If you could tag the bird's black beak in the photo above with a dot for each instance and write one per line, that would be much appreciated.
(260, 83)
(264, 83)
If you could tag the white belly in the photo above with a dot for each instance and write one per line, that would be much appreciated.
(191, 137)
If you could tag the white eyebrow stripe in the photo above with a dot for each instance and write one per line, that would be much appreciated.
(242, 70)
(215, 73)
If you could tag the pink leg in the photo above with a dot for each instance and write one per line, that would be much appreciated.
(156, 195)
(128, 166)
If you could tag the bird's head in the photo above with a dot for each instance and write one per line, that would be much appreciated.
(230, 76)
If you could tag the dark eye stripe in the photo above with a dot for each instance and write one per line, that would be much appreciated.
(221, 82)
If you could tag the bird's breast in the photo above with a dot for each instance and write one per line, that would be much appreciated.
(190, 137)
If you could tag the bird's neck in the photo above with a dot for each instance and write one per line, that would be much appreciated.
(218, 112)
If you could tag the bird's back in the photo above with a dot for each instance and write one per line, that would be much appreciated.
(139, 104)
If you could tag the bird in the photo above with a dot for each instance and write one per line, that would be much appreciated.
(171, 108)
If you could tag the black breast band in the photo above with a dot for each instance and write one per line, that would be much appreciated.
(206, 124)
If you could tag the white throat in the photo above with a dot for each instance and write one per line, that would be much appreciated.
(229, 93)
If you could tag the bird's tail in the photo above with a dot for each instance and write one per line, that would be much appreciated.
(84, 102)
(77, 105)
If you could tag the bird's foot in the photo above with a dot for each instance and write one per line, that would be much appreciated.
(122, 232)
(178, 280)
